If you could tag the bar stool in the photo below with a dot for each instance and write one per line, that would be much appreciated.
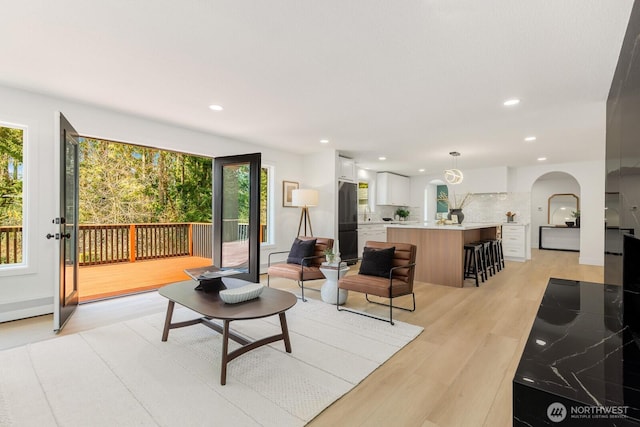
(500, 253)
(495, 255)
(473, 262)
(487, 255)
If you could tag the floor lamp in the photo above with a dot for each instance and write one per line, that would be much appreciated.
(304, 199)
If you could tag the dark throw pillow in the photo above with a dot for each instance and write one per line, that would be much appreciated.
(301, 249)
(377, 262)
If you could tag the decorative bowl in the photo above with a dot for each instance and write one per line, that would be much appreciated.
(243, 293)
(569, 223)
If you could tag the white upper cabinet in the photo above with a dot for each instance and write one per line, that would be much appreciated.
(392, 189)
(347, 169)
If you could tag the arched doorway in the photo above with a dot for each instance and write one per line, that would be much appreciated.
(544, 213)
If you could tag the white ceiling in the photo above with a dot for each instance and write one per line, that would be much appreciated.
(411, 80)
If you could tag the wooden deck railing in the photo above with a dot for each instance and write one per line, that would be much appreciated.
(162, 240)
(113, 243)
(10, 245)
(103, 244)
(201, 240)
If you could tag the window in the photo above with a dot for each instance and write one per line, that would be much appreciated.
(11, 194)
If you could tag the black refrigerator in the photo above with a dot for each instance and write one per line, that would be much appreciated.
(348, 220)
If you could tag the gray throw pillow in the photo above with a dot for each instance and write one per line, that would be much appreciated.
(301, 249)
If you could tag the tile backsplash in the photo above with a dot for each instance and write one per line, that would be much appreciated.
(484, 207)
(492, 207)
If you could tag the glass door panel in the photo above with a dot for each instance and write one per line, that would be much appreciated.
(236, 214)
(235, 217)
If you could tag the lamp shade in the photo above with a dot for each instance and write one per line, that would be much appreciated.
(304, 198)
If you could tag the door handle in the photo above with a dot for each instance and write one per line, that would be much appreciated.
(66, 236)
(53, 236)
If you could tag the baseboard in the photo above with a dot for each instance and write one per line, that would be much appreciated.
(23, 309)
(591, 261)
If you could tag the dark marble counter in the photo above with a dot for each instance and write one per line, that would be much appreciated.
(581, 357)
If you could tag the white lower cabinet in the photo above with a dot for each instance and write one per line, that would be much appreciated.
(515, 238)
(370, 232)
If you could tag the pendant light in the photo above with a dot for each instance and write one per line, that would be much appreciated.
(454, 175)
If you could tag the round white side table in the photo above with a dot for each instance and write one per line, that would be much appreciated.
(330, 288)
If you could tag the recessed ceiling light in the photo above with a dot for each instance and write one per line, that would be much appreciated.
(542, 159)
(511, 102)
(530, 138)
(324, 141)
(216, 107)
(420, 170)
(382, 158)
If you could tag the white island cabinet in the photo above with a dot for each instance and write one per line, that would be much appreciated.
(370, 231)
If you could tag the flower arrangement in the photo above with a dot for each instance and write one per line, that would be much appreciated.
(511, 214)
(452, 203)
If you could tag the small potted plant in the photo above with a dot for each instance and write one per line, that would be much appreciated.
(402, 213)
(330, 255)
(510, 216)
(576, 215)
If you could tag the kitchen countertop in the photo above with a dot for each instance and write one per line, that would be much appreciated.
(385, 222)
(580, 352)
(433, 226)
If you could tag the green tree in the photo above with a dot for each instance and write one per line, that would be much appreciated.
(122, 183)
(11, 163)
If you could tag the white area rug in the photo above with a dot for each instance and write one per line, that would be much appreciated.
(123, 375)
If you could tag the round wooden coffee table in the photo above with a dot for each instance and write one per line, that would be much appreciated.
(210, 306)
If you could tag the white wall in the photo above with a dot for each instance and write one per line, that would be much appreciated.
(320, 172)
(540, 193)
(29, 292)
(590, 177)
(477, 181)
(485, 180)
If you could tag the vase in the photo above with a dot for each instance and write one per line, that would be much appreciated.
(578, 221)
(509, 219)
(458, 213)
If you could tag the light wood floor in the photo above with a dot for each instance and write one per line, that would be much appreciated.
(458, 372)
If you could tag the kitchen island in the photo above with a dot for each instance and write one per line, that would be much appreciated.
(440, 248)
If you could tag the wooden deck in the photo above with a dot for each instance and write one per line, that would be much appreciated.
(102, 281)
